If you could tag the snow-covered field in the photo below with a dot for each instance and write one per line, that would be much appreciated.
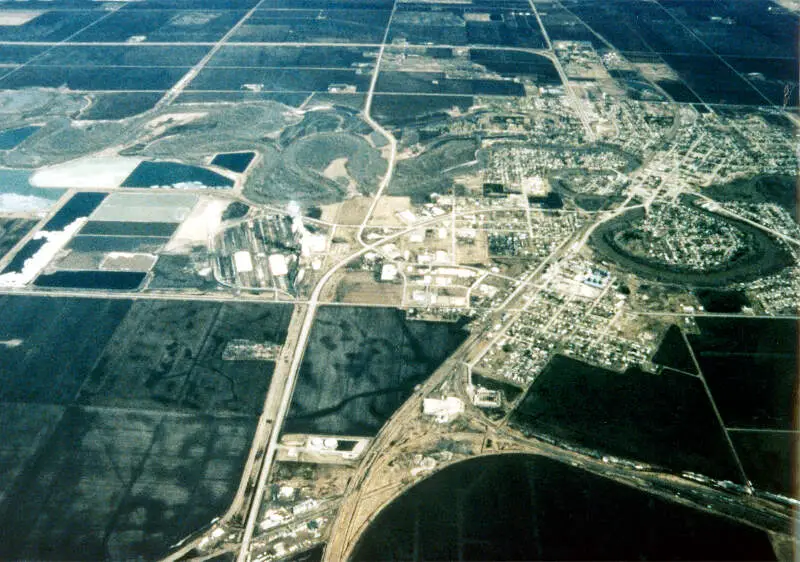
(92, 172)
(201, 223)
(154, 206)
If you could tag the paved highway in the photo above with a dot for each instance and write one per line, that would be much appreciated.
(298, 349)
(285, 377)
(367, 113)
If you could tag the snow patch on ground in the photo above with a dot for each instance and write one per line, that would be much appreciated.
(199, 226)
(16, 18)
(185, 185)
(16, 203)
(173, 119)
(12, 343)
(55, 241)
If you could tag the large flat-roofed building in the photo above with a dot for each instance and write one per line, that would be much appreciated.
(277, 265)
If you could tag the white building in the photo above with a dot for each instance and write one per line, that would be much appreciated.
(277, 265)
(389, 272)
(242, 261)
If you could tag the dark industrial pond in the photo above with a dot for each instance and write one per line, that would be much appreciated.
(174, 175)
(523, 507)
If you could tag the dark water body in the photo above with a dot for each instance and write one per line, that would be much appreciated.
(234, 161)
(81, 205)
(27, 251)
(510, 392)
(170, 174)
(106, 280)
(12, 137)
(522, 507)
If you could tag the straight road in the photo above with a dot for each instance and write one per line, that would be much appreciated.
(288, 374)
(275, 410)
(367, 114)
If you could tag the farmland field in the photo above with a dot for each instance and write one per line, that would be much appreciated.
(120, 105)
(94, 77)
(278, 80)
(360, 365)
(302, 25)
(167, 354)
(162, 26)
(751, 369)
(634, 415)
(234, 55)
(98, 460)
(12, 231)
